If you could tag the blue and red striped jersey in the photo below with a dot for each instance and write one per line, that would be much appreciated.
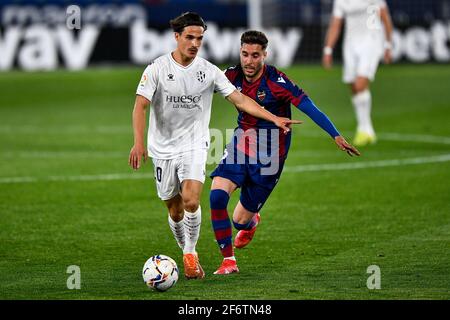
(275, 92)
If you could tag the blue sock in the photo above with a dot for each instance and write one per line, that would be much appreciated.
(221, 222)
(245, 226)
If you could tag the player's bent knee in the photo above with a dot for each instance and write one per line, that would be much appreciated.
(223, 184)
(191, 205)
(175, 206)
(360, 85)
(218, 199)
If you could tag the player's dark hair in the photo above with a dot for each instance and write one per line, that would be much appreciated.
(185, 20)
(254, 37)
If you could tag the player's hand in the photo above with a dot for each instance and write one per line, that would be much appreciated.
(387, 56)
(327, 61)
(285, 123)
(136, 154)
(345, 146)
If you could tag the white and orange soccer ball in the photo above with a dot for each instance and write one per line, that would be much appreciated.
(160, 272)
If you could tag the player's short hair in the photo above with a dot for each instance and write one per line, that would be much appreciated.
(254, 37)
(185, 20)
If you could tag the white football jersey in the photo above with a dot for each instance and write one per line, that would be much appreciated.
(362, 18)
(181, 99)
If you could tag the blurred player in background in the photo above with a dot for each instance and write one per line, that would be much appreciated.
(180, 87)
(275, 92)
(364, 46)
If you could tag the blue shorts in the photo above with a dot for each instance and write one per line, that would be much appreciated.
(255, 185)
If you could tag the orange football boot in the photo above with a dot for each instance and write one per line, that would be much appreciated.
(192, 267)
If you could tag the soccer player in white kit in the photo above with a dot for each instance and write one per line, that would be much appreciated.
(180, 87)
(364, 46)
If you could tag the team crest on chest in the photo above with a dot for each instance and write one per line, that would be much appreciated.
(261, 95)
(201, 76)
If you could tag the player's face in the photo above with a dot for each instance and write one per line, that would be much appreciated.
(252, 59)
(190, 41)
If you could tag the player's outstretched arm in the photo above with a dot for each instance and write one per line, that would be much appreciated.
(248, 105)
(345, 146)
(138, 150)
(309, 108)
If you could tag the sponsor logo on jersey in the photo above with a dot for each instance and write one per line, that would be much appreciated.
(201, 76)
(261, 95)
(170, 77)
(185, 101)
(281, 80)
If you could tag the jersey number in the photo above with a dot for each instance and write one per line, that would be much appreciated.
(158, 174)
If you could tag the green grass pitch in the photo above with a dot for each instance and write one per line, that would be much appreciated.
(68, 197)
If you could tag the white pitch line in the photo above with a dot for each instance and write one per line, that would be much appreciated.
(301, 168)
(414, 137)
(367, 164)
(17, 180)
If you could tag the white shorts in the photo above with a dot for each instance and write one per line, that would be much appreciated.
(170, 173)
(361, 59)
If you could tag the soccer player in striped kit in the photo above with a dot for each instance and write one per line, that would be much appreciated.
(254, 159)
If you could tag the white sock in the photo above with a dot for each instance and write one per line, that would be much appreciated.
(362, 103)
(192, 222)
(178, 231)
(230, 258)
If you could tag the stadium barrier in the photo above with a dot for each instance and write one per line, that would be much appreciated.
(46, 37)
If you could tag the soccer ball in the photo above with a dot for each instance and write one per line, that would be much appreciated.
(160, 272)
